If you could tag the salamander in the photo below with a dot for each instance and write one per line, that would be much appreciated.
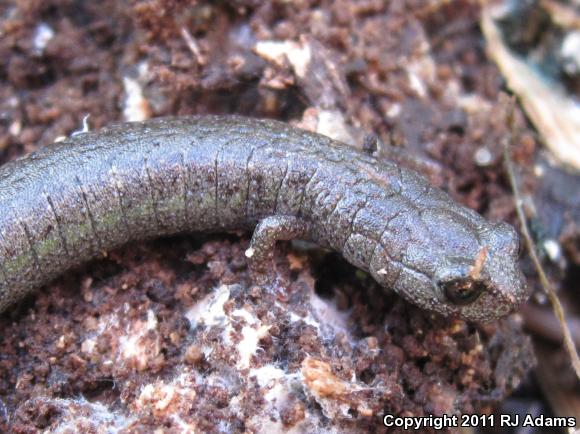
(68, 202)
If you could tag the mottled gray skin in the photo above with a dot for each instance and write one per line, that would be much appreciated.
(66, 203)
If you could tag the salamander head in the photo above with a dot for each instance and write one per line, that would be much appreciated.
(487, 284)
(458, 266)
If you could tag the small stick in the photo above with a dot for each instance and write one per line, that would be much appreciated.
(192, 45)
(548, 288)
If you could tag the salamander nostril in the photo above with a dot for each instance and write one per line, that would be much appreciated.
(521, 248)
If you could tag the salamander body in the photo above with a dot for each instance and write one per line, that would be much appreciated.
(69, 201)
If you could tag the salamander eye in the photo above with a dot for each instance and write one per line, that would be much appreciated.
(462, 291)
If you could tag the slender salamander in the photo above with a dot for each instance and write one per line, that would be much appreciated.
(66, 203)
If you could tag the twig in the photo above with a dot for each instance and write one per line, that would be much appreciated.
(192, 45)
(548, 288)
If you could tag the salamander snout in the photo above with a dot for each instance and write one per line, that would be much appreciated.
(489, 284)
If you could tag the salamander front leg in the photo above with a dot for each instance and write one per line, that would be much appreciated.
(261, 252)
